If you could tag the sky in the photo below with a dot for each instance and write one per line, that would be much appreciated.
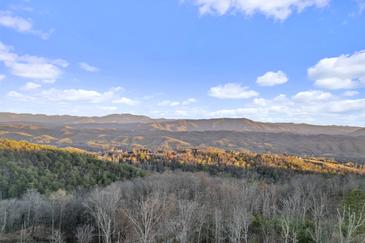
(299, 61)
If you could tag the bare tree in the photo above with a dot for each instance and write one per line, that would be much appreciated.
(34, 202)
(146, 216)
(84, 234)
(239, 225)
(4, 212)
(318, 209)
(201, 215)
(289, 218)
(103, 205)
(268, 209)
(185, 221)
(6, 208)
(218, 225)
(58, 201)
(349, 223)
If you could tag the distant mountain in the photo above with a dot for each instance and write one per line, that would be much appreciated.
(66, 119)
(125, 131)
(147, 123)
(246, 125)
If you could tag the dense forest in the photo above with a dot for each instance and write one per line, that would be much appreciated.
(68, 195)
(26, 166)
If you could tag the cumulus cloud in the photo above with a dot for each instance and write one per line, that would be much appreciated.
(189, 101)
(272, 78)
(81, 95)
(342, 72)
(278, 9)
(306, 106)
(20, 24)
(312, 96)
(31, 67)
(347, 105)
(126, 101)
(351, 93)
(31, 86)
(68, 95)
(177, 103)
(20, 97)
(88, 67)
(232, 91)
(2, 77)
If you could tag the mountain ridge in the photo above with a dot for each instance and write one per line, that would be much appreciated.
(126, 131)
(213, 124)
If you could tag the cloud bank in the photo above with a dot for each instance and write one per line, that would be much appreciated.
(275, 9)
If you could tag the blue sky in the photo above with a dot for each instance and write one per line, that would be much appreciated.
(279, 60)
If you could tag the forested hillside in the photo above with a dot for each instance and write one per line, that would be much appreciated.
(45, 168)
(26, 166)
(252, 197)
(233, 163)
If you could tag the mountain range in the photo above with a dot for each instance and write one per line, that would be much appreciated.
(127, 131)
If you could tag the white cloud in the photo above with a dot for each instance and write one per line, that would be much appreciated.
(189, 101)
(20, 24)
(272, 79)
(232, 91)
(343, 106)
(307, 106)
(69, 95)
(342, 72)
(312, 96)
(168, 103)
(2, 77)
(17, 23)
(126, 101)
(31, 86)
(19, 96)
(73, 95)
(69, 101)
(88, 67)
(351, 93)
(260, 101)
(31, 67)
(276, 9)
(281, 98)
(177, 103)
(49, 81)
